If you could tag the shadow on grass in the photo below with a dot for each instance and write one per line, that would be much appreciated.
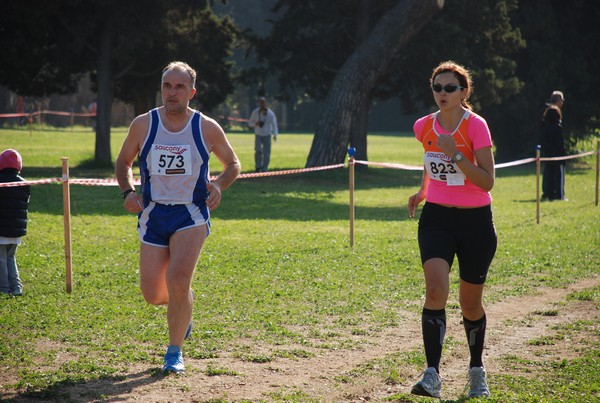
(109, 388)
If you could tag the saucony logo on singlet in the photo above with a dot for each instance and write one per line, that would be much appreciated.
(441, 156)
(172, 149)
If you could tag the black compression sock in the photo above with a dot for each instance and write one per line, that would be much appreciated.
(433, 323)
(475, 331)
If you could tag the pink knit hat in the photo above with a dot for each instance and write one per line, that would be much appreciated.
(11, 159)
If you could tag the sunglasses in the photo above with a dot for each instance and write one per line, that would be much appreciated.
(449, 88)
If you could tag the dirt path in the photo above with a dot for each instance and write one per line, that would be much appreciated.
(316, 376)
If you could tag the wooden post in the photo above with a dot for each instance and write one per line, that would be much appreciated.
(67, 222)
(537, 177)
(351, 152)
(597, 169)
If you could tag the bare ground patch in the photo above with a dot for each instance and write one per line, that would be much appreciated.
(512, 324)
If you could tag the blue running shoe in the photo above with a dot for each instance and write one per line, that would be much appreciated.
(188, 332)
(173, 360)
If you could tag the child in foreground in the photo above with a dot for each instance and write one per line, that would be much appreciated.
(14, 201)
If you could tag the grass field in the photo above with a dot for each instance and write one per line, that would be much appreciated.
(277, 281)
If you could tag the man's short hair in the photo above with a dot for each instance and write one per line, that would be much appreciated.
(182, 66)
(556, 96)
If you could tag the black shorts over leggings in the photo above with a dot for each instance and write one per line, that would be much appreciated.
(467, 233)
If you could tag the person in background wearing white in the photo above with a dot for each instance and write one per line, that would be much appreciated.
(264, 122)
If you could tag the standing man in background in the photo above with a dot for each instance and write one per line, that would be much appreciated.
(174, 143)
(264, 122)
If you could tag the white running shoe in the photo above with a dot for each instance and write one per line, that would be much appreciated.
(477, 382)
(430, 385)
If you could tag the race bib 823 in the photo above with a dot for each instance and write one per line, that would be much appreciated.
(440, 168)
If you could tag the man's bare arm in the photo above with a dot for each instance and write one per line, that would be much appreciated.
(129, 151)
(222, 149)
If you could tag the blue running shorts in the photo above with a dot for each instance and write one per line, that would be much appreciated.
(158, 222)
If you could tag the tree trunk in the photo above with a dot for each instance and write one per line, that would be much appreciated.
(144, 100)
(358, 136)
(102, 156)
(359, 74)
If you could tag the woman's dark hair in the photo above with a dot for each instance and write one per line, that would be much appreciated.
(461, 73)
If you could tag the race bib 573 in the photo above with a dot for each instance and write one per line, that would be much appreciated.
(171, 159)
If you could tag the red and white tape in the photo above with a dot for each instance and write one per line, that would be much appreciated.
(35, 182)
(46, 112)
(113, 182)
(137, 182)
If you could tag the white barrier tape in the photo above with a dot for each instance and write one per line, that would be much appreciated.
(25, 183)
(514, 163)
(497, 166)
(567, 157)
(391, 165)
(420, 168)
(289, 171)
(137, 182)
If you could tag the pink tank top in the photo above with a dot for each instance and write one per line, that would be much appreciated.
(448, 184)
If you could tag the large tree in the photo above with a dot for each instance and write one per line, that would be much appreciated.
(338, 51)
(343, 117)
(518, 51)
(353, 53)
(123, 44)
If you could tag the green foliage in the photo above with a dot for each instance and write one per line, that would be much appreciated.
(518, 52)
(477, 34)
(481, 34)
(555, 58)
(64, 39)
(567, 380)
(277, 279)
(326, 42)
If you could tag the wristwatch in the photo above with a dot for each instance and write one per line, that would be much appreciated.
(126, 193)
(458, 157)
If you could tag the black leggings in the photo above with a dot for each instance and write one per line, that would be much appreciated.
(467, 233)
